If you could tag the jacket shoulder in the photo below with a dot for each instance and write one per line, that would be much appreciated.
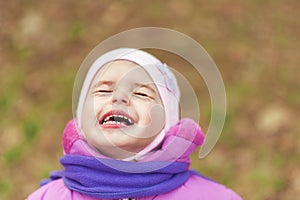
(201, 188)
(58, 191)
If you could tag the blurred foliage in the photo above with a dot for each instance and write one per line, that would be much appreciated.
(254, 43)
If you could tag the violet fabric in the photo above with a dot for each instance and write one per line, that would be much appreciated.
(92, 176)
(184, 137)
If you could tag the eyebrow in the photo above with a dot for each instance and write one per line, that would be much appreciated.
(99, 83)
(145, 86)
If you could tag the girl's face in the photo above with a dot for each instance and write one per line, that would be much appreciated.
(123, 111)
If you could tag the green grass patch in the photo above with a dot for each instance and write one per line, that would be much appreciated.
(31, 128)
(5, 188)
(13, 155)
(76, 30)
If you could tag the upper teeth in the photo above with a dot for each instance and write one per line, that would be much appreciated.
(107, 119)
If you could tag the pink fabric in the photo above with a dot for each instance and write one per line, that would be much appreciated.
(185, 132)
(70, 136)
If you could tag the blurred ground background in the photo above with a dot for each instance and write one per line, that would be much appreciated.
(254, 43)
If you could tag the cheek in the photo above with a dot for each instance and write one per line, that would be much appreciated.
(152, 115)
(89, 114)
(88, 110)
(87, 119)
(157, 115)
(96, 106)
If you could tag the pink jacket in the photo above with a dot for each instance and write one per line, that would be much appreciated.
(186, 132)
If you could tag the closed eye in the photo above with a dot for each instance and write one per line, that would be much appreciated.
(103, 91)
(141, 94)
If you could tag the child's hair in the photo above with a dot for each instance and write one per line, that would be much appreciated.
(161, 75)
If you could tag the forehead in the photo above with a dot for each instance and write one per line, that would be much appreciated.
(125, 71)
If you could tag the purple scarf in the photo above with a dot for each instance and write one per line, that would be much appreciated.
(93, 176)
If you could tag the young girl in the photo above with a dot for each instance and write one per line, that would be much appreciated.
(126, 141)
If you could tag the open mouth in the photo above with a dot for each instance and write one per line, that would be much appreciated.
(115, 119)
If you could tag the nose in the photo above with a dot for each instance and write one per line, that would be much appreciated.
(120, 97)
